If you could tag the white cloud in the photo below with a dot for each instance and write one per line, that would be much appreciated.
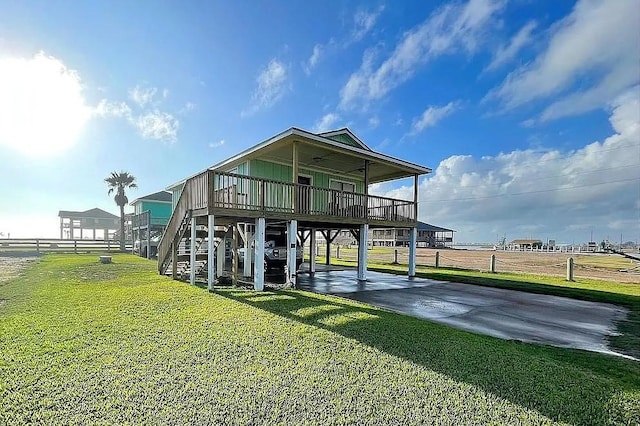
(374, 122)
(42, 105)
(272, 85)
(158, 125)
(216, 144)
(143, 96)
(449, 29)
(313, 59)
(363, 22)
(326, 123)
(558, 193)
(107, 108)
(506, 53)
(432, 115)
(591, 57)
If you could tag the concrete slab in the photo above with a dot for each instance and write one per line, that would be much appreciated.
(507, 314)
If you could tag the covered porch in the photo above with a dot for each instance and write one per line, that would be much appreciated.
(323, 187)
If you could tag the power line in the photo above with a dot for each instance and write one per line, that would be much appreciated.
(529, 192)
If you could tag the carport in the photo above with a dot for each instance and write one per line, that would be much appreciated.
(507, 314)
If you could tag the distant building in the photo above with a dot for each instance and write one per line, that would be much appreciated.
(428, 236)
(74, 224)
(158, 204)
(150, 216)
(525, 244)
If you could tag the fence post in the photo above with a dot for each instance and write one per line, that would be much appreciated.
(492, 265)
(437, 259)
(395, 256)
(337, 252)
(37, 246)
(570, 269)
(108, 246)
(75, 246)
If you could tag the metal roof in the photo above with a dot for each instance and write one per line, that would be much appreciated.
(338, 157)
(427, 227)
(161, 196)
(95, 213)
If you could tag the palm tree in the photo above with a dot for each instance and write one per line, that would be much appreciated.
(118, 182)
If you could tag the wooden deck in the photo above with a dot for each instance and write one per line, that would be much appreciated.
(234, 196)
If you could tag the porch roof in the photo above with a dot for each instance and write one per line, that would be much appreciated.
(318, 152)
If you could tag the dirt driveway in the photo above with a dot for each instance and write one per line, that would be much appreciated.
(12, 266)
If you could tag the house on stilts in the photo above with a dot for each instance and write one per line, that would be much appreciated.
(305, 183)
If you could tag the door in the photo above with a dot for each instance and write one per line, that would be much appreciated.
(304, 194)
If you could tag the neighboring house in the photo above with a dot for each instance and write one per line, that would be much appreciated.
(150, 216)
(428, 236)
(297, 180)
(102, 224)
(525, 244)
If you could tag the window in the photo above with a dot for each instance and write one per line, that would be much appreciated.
(343, 200)
(343, 186)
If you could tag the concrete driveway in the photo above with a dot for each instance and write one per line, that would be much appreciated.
(508, 314)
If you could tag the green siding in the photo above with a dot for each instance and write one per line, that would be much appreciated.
(345, 139)
(267, 170)
(160, 212)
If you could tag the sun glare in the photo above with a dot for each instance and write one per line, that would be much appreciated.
(42, 108)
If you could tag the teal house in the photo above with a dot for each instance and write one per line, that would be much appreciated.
(150, 217)
(303, 182)
(157, 204)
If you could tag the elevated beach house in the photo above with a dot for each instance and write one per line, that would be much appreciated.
(303, 183)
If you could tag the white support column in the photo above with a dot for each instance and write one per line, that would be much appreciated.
(248, 254)
(192, 252)
(292, 240)
(312, 252)
(413, 237)
(211, 248)
(362, 253)
(258, 280)
(220, 255)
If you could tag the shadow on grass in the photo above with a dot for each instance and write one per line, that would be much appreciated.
(566, 385)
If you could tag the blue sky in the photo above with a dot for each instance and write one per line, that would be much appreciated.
(528, 112)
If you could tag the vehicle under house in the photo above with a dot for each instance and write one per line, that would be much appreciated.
(303, 183)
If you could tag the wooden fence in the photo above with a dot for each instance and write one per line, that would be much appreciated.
(51, 245)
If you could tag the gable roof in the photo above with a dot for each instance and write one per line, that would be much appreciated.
(426, 227)
(384, 167)
(95, 213)
(160, 196)
(345, 136)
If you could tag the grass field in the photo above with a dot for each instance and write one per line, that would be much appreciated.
(609, 267)
(82, 342)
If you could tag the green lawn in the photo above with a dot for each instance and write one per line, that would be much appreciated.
(82, 342)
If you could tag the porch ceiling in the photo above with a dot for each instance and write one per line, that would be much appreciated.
(315, 153)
